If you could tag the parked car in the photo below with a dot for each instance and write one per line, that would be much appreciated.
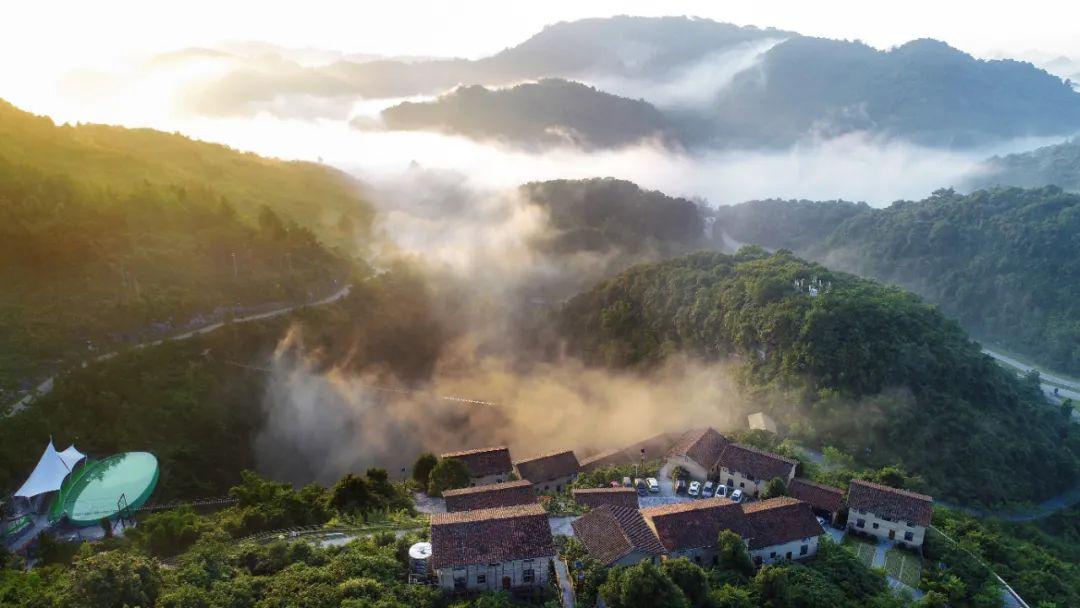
(707, 490)
(736, 496)
(626, 482)
(680, 487)
(654, 486)
(695, 489)
(642, 489)
(721, 491)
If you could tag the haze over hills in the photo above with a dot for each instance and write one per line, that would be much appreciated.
(1056, 165)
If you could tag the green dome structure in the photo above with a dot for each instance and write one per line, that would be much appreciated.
(104, 488)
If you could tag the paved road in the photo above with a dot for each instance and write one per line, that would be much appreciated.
(1066, 388)
(46, 386)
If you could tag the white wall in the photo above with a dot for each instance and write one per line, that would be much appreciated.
(493, 574)
(899, 528)
(776, 553)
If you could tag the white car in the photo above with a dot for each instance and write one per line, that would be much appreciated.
(736, 496)
(695, 489)
(721, 491)
(654, 486)
(707, 489)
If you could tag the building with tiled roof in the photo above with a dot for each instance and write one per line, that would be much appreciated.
(890, 513)
(698, 450)
(617, 536)
(783, 528)
(825, 501)
(750, 469)
(506, 494)
(596, 497)
(653, 448)
(690, 529)
(550, 472)
(486, 465)
(492, 549)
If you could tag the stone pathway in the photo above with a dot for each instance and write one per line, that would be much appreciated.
(566, 590)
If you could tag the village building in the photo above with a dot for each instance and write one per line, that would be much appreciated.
(550, 472)
(617, 536)
(783, 529)
(750, 469)
(697, 451)
(653, 448)
(690, 529)
(506, 494)
(506, 548)
(888, 513)
(826, 501)
(486, 465)
(597, 497)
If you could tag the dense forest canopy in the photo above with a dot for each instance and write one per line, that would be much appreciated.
(873, 369)
(1057, 165)
(999, 261)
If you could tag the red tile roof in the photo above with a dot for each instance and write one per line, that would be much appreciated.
(484, 461)
(488, 536)
(759, 464)
(548, 467)
(819, 496)
(610, 533)
(780, 520)
(595, 497)
(898, 505)
(703, 446)
(505, 494)
(655, 447)
(691, 525)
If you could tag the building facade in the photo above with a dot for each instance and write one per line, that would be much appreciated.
(750, 469)
(697, 451)
(505, 548)
(783, 528)
(889, 513)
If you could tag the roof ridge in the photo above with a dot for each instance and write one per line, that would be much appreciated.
(901, 491)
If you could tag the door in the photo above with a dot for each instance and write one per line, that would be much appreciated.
(892, 534)
(506, 583)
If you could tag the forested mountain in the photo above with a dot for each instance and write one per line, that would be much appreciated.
(1002, 261)
(110, 237)
(123, 161)
(1057, 165)
(604, 214)
(872, 369)
(546, 113)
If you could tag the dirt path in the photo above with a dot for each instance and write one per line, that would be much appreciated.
(46, 385)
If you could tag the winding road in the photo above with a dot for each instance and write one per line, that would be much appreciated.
(46, 385)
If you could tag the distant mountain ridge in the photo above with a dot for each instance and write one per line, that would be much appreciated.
(801, 88)
(548, 112)
(1056, 165)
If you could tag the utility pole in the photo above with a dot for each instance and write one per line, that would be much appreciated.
(235, 268)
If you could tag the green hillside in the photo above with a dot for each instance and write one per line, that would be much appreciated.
(869, 368)
(1002, 261)
(111, 236)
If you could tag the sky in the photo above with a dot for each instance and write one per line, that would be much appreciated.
(57, 33)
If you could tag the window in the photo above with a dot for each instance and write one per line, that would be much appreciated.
(909, 524)
(527, 575)
(875, 525)
(772, 555)
(861, 523)
(527, 561)
(697, 559)
(460, 582)
(803, 550)
(909, 536)
(481, 579)
(742, 485)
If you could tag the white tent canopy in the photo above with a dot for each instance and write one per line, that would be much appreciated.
(50, 471)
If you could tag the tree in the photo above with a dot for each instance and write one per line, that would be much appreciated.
(775, 487)
(350, 494)
(449, 474)
(421, 469)
(689, 577)
(113, 578)
(642, 584)
(731, 553)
